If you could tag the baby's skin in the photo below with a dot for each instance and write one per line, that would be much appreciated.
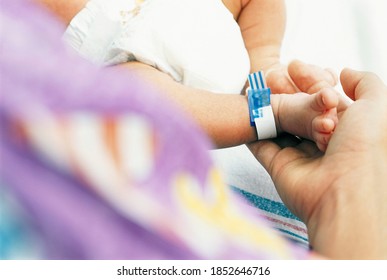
(310, 116)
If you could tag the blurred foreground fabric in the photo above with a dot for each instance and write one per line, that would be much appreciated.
(94, 164)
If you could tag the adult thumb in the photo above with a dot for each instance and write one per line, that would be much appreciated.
(361, 85)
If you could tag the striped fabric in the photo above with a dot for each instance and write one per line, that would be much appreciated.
(277, 213)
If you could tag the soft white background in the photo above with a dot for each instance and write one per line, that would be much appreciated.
(338, 34)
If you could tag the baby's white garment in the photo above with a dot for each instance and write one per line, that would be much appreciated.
(197, 42)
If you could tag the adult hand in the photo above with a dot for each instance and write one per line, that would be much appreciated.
(340, 195)
(298, 76)
(301, 77)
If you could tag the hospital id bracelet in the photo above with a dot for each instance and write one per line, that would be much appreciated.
(261, 111)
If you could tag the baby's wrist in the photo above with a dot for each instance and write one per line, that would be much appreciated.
(265, 58)
(274, 101)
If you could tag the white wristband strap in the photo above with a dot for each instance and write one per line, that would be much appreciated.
(265, 125)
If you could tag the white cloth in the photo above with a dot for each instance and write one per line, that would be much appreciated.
(197, 42)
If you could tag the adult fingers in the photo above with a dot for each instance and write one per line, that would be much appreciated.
(310, 78)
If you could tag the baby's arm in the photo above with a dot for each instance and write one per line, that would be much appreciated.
(64, 9)
(262, 23)
(223, 117)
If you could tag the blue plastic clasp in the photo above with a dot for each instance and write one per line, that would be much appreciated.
(258, 95)
(257, 99)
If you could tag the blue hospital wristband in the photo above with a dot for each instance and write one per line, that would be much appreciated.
(261, 111)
